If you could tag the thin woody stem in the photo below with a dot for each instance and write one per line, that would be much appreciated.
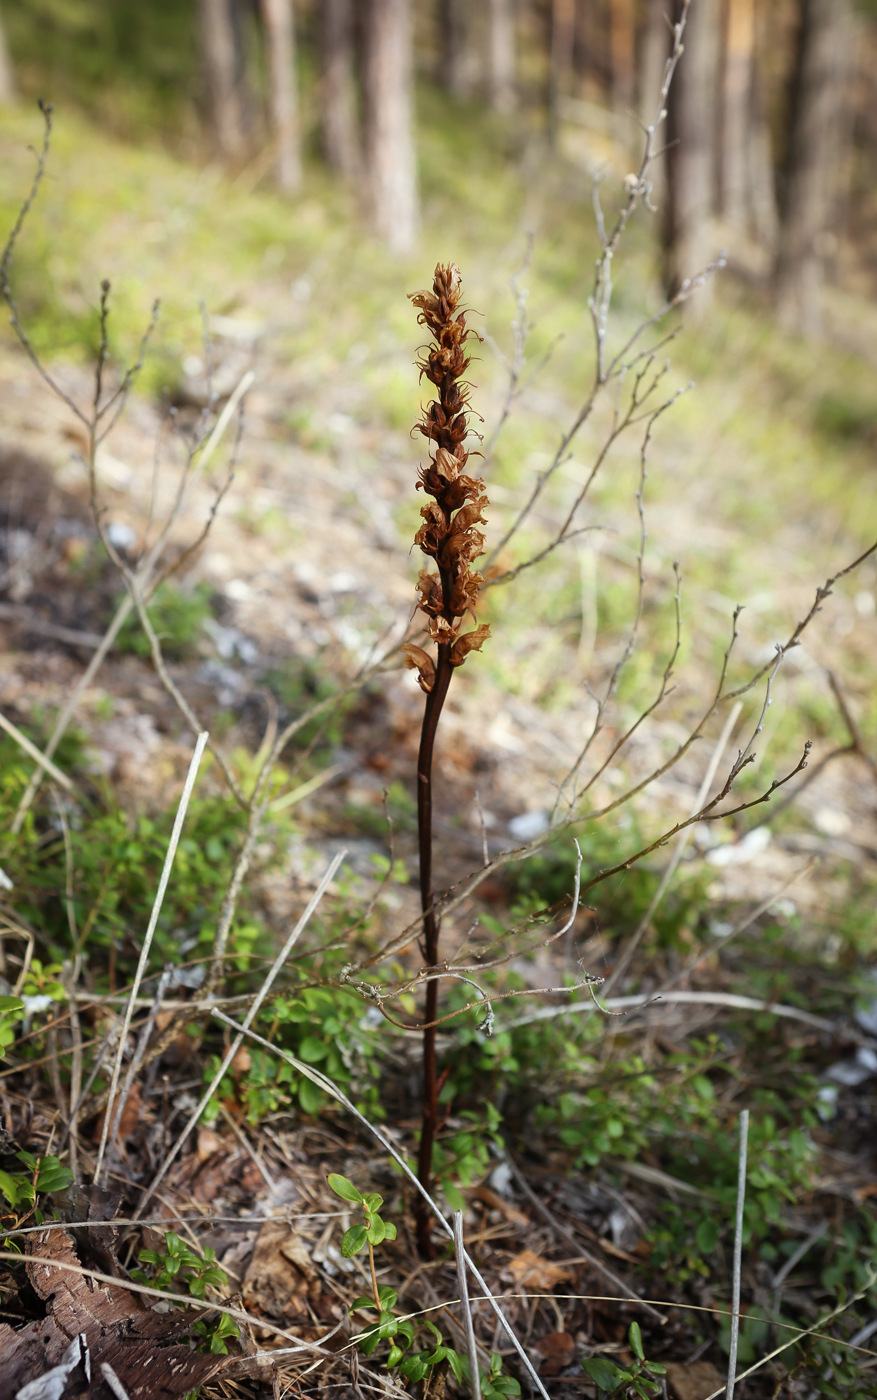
(375, 1291)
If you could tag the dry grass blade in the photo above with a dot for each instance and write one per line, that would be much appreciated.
(738, 1253)
(251, 1016)
(147, 941)
(471, 1346)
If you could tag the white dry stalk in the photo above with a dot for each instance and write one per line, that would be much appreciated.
(331, 1088)
(147, 942)
(239, 1039)
(731, 999)
(463, 1287)
(139, 1052)
(738, 1252)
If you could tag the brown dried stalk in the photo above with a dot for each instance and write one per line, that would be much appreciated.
(448, 535)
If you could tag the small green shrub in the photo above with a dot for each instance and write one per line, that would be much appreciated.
(177, 616)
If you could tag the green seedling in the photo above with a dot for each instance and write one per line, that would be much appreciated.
(400, 1332)
(178, 1265)
(358, 1237)
(45, 1175)
(638, 1379)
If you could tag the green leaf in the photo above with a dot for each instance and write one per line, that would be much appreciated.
(395, 1356)
(707, 1236)
(362, 1302)
(389, 1231)
(376, 1230)
(312, 1050)
(353, 1241)
(11, 1004)
(372, 1201)
(636, 1341)
(602, 1372)
(656, 1366)
(344, 1188)
(310, 1096)
(9, 1186)
(455, 1362)
(452, 1196)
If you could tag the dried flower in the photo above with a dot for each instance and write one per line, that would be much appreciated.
(448, 533)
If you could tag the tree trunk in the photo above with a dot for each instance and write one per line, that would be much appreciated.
(811, 183)
(502, 55)
(455, 70)
(223, 72)
(762, 180)
(337, 93)
(8, 86)
(391, 176)
(622, 31)
(279, 21)
(737, 103)
(563, 19)
(691, 157)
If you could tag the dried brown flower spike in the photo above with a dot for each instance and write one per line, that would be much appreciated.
(448, 535)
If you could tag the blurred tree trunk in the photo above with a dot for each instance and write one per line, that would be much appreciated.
(337, 93)
(502, 55)
(279, 21)
(811, 177)
(622, 42)
(456, 69)
(8, 86)
(653, 55)
(391, 176)
(223, 71)
(691, 156)
(737, 100)
(762, 181)
(563, 19)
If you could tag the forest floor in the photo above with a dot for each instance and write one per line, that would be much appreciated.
(576, 1143)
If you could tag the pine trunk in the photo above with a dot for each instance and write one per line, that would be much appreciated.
(278, 18)
(337, 93)
(455, 68)
(691, 155)
(223, 73)
(737, 101)
(502, 55)
(391, 177)
(563, 19)
(622, 32)
(811, 184)
(8, 86)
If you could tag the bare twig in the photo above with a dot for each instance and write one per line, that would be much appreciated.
(678, 852)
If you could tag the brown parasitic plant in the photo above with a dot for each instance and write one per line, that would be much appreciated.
(450, 537)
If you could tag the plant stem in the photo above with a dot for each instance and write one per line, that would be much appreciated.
(371, 1263)
(429, 1123)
